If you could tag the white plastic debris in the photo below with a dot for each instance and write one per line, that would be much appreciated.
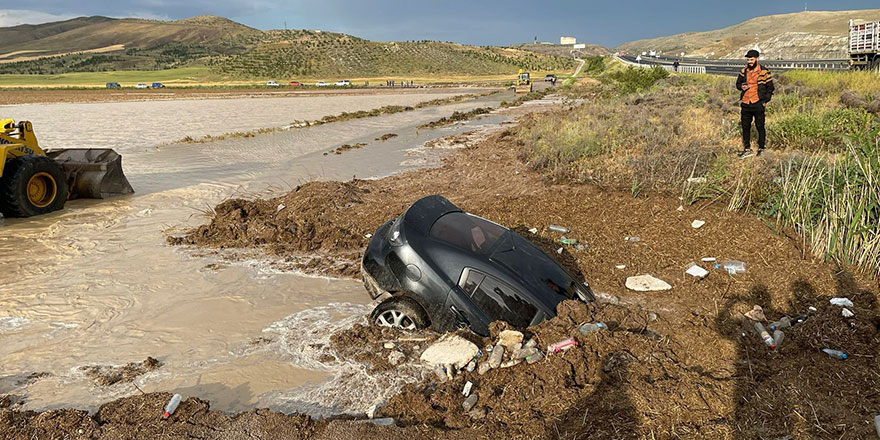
(708, 259)
(533, 230)
(697, 224)
(696, 271)
(841, 302)
(621, 266)
(368, 235)
(756, 314)
(847, 313)
(450, 349)
(280, 207)
(388, 345)
(559, 251)
(396, 357)
(467, 389)
(680, 208)
(646, 283)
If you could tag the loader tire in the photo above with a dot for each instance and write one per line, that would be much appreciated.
(32, 185)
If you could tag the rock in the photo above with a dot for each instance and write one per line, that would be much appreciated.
(646, 283)
(508, 338)
(396, 357)
(388, 345)
(604, 297)
(469, 402)
(450, 349)
(697, 224)
(756, 314)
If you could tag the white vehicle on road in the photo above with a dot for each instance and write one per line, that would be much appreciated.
(142, 86)
(343, 83)
(272, 84)
(322, 84)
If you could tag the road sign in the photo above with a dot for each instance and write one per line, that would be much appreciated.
(579, 46)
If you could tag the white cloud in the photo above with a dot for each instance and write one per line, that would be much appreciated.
(14, 17)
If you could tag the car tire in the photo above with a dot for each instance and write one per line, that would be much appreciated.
(401, 313)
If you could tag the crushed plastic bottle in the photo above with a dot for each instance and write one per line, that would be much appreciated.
(171, 406)
(836, 354)
(562, 345)
(765, 336)
(558, 228)
(568, 241)
(877, 424)
(591, 327)
(632, 239)
(531, 343)
(784, 322)
(497, 356)
(535, 357)
(524, 353)
(733, 267)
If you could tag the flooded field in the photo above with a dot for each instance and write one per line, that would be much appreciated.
(96, 284)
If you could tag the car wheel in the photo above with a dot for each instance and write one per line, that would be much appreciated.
(401, 313)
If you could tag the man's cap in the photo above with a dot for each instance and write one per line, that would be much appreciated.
(752, 54)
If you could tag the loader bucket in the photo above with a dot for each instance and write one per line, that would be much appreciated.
(92, 173)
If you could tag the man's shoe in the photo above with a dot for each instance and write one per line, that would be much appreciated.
(760, 150)
(746, 153)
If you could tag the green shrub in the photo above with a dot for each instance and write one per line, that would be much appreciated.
(633, 80)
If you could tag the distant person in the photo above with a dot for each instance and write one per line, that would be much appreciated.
(675, 65)
(756, 85)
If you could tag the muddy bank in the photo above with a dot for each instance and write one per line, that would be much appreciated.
(700, 372)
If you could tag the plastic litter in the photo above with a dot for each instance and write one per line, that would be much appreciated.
(440, 373)
(467, 388)
(533, 230)
(620, 266)
(877, 424)
(694, 270)
(632, 239)
(171, 406)
(470, 402)
(568, 241)
(384, 421)
(389, 345)
(591, 327)
(778, 336)
(510, 363)
(470, 366)
(531, 343)
(836, 354)
(496, 356)
(756, 314)
(732, 267)
(559, 251)
(841, 302)
(537, 357)
(558, 228)
(847, 313)
(765, 336)
(524, 353)
(708, 259)
(697, 224)
(562, 345)
(581, 247)
(784, 322)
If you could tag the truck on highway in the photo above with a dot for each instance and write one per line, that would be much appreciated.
(864, 45)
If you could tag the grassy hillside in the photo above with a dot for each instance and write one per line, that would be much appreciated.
(821, 25)
(233, 51)
(590, 50)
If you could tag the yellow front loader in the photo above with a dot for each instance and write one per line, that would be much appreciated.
(523, 83)
(34, 181)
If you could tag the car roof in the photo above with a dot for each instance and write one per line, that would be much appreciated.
(422, 214)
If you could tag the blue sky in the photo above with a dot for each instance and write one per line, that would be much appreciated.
(481, 22)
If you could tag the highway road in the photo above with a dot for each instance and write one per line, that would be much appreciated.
(732, 67)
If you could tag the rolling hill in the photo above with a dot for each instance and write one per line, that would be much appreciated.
(800, 35)
(232, 50)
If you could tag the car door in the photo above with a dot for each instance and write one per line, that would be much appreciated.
(463, 311)
(498, 301)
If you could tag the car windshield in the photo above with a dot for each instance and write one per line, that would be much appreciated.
(467, 232)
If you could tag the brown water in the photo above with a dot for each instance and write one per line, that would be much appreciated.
(97, 284)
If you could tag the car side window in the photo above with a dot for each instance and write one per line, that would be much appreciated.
(471, 280)
(501, 302)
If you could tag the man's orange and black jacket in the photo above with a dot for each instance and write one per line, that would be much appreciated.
(765, 83)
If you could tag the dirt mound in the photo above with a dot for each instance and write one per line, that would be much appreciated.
(106, 375)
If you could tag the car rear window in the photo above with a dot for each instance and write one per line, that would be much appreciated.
(467, 232)
(500, 301)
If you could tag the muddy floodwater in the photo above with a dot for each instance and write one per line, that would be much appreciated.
(96, 284)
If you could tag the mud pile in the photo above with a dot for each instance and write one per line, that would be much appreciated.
(106, 375)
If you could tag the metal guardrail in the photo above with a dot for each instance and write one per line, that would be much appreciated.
(681, 68)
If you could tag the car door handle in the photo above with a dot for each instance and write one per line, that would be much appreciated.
(461, 316)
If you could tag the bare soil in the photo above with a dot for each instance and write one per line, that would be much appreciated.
(683, 363)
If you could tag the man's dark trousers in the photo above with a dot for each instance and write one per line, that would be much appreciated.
(756, 111)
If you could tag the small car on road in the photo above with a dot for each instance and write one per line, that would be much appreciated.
(158, 85)
(550, 78)
(141, 86)
(113, 85)
(295, 84)
(272, 84)
(342, 83)
(439, 266)
(322, 84)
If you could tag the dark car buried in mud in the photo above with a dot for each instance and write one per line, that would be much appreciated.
(442, 267)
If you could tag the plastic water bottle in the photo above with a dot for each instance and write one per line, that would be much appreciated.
(535, 357)
(785, 322)
(172, 406)
(836, 354)
(469, 402)
(765, 336)
(877, 424)
(497, 356)
(591, 327)
(558, 228)
(778, 336)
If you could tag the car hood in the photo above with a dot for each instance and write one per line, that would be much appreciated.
(529, 263)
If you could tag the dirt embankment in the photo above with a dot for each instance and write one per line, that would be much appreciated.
(683, 363)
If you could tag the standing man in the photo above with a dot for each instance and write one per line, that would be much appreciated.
(675, 65)
(756, 89)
